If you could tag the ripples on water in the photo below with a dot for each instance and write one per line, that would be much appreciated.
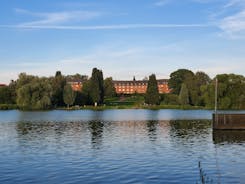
(119, 152)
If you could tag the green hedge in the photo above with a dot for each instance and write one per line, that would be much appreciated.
(8, 106)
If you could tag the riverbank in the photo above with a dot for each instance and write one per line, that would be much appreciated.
(150, 107)
(9, 107)
(106, 107)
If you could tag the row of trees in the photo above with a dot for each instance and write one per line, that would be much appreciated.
(197, 89)
(187, 88)
(32, 92)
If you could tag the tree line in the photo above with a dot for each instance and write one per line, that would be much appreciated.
(198, 89)
(187, 89)
(34, 93)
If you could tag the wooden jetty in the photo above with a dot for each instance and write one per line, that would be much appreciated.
(230, 136)
(229, 121)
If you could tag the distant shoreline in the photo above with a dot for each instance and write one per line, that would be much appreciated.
(100, 108)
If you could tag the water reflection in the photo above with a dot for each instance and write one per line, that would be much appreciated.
(226, 136)
(96, 130)
(24, 128)
(100, 151)
(152, 130)
(189, 128)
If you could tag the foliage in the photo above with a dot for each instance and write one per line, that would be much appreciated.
(109, 89)
(184, 95)
(35, 93)
(24, 79)
(193, 82)
(231, 92)
(86, 92)
(194, 91)
(77, 77)
(202, 78)
(96, 86)
(69, 95)
(177, 78)
(130, 101)
(170, 99)
(5, 95)
(58, 82)
(152, 95)
(12, 88)
(8, 106)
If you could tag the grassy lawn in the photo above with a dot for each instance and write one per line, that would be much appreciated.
(130, 101)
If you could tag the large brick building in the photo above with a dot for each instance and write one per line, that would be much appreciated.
(139, 86)
(76, 85)
(3, 85)
(127, 87)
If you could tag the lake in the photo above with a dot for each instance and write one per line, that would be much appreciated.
(118, 146)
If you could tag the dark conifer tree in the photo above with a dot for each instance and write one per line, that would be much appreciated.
(184, 95)
(58, 83)
(152, 94)
(109, 90)
(97, 86)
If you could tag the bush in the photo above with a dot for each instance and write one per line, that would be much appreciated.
(8, 106)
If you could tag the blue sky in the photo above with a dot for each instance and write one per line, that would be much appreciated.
(124, 38)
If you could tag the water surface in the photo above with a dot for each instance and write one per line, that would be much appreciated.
(118, 146)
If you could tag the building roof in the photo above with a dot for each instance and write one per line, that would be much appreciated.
(138, 81)
(2, 85)
(160, 81)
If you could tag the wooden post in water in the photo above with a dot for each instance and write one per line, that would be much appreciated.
(216, 95)
(216, 101)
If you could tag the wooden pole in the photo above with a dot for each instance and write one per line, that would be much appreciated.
(216, 100)
(216, 95)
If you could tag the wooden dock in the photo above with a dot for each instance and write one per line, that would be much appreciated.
(229, 121)
(230, 136)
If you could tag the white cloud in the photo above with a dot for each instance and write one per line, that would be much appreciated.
(56, 18)
(105, 27)
(162, 2)
(234, 25)
(232, 3)
(115, 58)
(111, 58)
(165, 2)
(229, 17)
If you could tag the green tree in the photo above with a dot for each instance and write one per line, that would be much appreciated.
(78, 77)
(170, 99)
(35, 93)
(97, 86)
(202, 78)
(177, 78)
(12, 87)
(86, 92)
(69, 95)
(81, 98)
(208, 95)
(5, 95)
(231, 92)
(58, 83)
(184, 95)
(23, 80)
(193, 83)
(152, 94)
(110, 90)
